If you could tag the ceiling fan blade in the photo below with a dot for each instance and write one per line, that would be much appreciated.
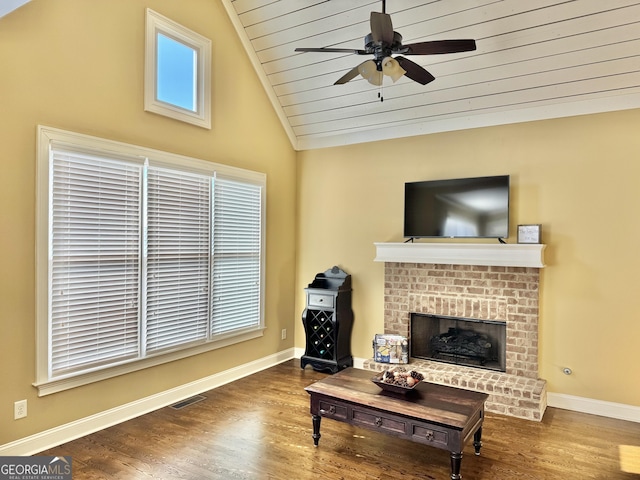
(414, 71)
(436, 47)
(381, 28)
(350, 75)
(332, 50)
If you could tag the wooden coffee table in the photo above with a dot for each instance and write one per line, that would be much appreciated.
(435, 415)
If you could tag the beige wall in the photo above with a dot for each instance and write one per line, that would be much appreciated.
(78, 65)
(578, 177)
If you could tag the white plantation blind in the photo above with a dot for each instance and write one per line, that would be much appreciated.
(149, 259)
(236, 255)
(178, 258)
(95, 246)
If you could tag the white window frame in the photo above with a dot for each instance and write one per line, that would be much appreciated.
(159, 24)
(47, 139)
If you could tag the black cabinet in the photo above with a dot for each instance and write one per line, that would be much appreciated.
(327, 321)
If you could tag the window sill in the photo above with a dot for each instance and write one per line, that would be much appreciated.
(61, 384)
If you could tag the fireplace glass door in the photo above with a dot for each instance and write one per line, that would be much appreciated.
(462, 341)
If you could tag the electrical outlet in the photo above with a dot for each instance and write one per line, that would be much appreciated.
(283, 336)
(19, 409)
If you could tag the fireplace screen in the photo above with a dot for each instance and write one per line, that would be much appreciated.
(463, 341)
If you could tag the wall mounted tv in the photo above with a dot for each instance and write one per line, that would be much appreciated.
(457, 208)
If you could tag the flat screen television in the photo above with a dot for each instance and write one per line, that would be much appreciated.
(457, 208)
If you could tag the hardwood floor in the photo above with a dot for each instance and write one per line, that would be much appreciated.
(260, 428)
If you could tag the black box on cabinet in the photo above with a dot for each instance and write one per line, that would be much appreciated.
(328, 320)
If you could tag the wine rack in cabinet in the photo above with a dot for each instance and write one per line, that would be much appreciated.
(328, 320)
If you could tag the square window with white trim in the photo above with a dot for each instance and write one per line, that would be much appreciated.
(177, 71)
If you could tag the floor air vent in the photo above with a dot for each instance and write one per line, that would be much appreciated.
(187, 402)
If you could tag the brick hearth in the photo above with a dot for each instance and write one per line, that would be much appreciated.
(508, 294)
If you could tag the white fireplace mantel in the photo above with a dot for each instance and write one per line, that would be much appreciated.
(498, 254)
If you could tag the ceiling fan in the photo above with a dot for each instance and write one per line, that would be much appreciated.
(382, 43)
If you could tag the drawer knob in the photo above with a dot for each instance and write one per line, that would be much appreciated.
(429, 435)
(331, 411)
(378, 421)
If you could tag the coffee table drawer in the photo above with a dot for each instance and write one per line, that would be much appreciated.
(333, 410)
(430, 436)
(376, 420)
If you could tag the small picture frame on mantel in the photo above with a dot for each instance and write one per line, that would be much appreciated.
(531, 233)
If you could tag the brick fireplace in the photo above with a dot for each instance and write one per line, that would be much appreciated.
(501, 293)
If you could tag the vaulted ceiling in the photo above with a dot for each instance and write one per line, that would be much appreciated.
(8, 6)
(534, 60)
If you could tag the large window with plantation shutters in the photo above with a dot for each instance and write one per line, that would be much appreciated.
(143, 257)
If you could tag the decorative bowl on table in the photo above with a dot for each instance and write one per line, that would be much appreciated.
(398, 380)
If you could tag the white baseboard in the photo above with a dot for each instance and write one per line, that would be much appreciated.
(620, 411)
(84, 426)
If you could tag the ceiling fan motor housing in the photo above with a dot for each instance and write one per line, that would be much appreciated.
(381, 50)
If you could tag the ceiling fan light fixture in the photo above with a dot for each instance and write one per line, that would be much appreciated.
(370, 72)
(392, 68)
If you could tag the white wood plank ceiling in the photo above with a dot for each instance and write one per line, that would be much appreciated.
(534, 60)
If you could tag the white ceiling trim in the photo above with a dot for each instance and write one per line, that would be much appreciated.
(541, 112)
(228, 5)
